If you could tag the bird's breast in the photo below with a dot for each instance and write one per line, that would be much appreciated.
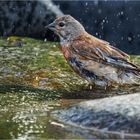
(66, 52)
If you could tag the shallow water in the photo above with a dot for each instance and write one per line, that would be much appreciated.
(33, 76)
(26, 115)
(35, 80)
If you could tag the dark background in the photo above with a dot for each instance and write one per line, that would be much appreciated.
(115, 21)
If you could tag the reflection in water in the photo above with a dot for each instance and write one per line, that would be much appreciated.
(24, 115)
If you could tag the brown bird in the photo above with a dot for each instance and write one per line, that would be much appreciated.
(93, 59)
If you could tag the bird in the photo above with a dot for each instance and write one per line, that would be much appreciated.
(94, 59)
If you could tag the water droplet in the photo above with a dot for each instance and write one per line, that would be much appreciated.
(45, 40)
(129, 38)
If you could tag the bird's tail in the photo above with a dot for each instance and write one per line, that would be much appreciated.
(131, 77)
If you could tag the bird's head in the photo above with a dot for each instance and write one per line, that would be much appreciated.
(66, 27)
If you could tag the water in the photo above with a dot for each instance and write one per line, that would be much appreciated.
(34, 81)
(27, 115)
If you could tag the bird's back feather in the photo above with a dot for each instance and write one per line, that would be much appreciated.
(92, 48)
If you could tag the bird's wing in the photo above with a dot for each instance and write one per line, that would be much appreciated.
(91, 48)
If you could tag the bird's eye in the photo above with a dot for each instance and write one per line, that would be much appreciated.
(61, 24)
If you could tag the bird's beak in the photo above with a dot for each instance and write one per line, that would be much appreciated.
(51, 26)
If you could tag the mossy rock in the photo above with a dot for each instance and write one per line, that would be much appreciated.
(36, 63)
(40, 65)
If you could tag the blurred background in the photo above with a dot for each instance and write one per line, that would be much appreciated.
(36, 81)
(115, 21)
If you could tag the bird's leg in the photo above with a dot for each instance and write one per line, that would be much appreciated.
(105, 88)
(91, 86)
(108, 85)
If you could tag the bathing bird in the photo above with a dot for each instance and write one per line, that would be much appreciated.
(93, 59)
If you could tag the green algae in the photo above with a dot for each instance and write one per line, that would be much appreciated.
(39, 64)
(36, 63)
(24, 115)
(33, 76)
(135, 60)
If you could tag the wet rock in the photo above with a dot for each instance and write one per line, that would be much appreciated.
(40, 64)
(109, 117)
(35, 63)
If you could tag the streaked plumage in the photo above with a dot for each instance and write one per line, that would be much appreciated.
(92, 58)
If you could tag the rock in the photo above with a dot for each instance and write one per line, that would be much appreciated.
(109, 117)
(26, 18)
(115, 21)
(40, 64)
(36, 63)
